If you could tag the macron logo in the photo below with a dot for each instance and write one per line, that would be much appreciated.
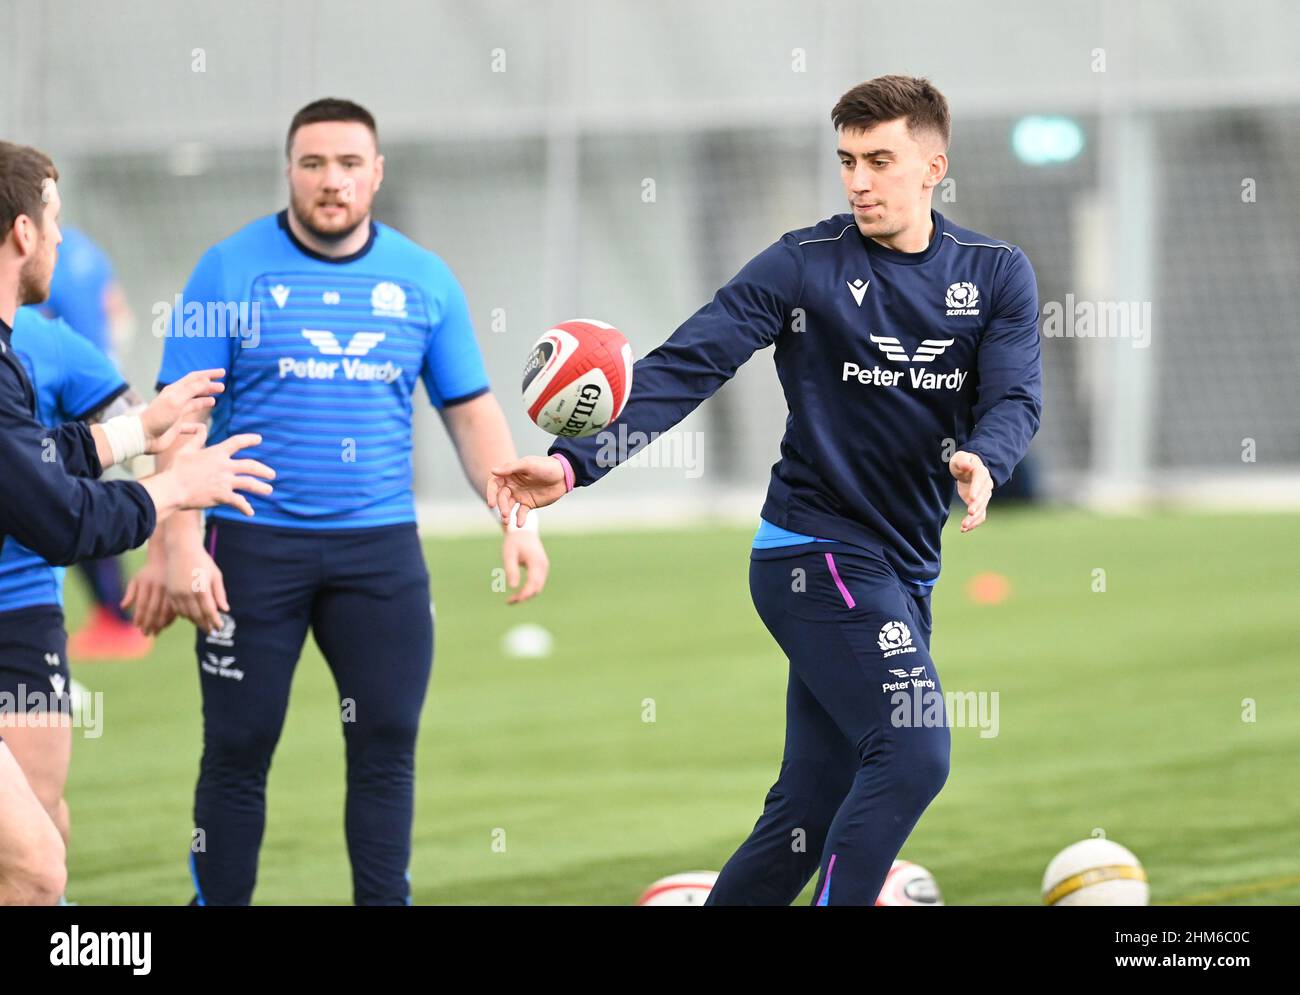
(858, 289)
(280, 294)
(327, 342)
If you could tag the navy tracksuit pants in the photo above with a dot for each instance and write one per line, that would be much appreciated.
(864, 754)
(365, 595)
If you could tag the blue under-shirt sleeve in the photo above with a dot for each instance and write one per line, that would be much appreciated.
(90, 380)
(187, 348)
(453, 366)
(1009, 363)
(704, 353)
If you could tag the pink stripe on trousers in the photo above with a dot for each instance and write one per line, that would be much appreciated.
(848, 598)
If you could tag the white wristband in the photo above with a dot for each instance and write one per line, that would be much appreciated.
(125, 437)
(530, 523)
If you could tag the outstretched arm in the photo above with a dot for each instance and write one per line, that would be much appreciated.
(1010, 400)
(745, 315)
(669, 383)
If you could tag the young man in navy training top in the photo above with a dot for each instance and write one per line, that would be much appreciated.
(908, 352)
(352, 316)
(52, 505)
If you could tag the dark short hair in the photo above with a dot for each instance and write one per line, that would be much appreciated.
(887, 98)
(329, 109)
(23, 172)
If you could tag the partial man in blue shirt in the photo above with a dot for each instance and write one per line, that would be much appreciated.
(50, 503)
(328, 321)
(85, 293)
(907, 349)
(73, 382)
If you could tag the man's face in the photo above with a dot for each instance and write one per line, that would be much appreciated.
(42, 242)
(334, 172)
(888, 175)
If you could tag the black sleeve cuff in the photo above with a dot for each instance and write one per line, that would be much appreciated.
(103, 402)
(451, 401)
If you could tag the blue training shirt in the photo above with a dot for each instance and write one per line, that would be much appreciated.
(72, 380)
(322, 357)
(79, 287)
(889, 361)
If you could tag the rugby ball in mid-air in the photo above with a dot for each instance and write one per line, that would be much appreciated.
(909, 884)
(1095, 872)
(577, 378)
(691, 888)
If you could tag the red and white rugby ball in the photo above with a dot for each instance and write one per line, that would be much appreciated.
(691, 888)
(578, 378)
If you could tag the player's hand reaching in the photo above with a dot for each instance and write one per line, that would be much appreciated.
(522, 548)
(147, 592)
(174, 411)
(974, 486)
(214, 476)
(531, 482)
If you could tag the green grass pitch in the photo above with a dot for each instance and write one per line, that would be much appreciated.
(1119, 710)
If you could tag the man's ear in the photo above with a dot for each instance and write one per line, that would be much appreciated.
(937, 170)
(25, 236)
(379, 173)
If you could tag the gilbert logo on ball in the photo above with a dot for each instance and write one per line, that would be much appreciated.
(577, 378)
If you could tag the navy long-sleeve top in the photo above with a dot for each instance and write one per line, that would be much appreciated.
(889, 362)
(48, 499)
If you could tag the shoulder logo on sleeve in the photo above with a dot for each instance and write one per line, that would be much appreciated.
(858, 288)
(280, 294)
(962, 299)
(388, 300)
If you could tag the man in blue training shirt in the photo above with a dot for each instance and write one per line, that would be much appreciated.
(73, 381)
(340, 318)
(86, 294)
(908, 352)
